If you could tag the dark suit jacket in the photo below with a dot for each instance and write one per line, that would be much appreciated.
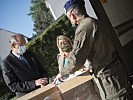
(20, 77)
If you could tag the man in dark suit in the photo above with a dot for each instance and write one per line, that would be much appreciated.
(21, 70)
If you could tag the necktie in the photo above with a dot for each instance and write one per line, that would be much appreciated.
(24, 61)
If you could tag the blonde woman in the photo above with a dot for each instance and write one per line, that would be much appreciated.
(64, 45)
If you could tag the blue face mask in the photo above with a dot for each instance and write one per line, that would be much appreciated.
(22, 49)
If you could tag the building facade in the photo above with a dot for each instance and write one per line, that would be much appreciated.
(57, 8)
(4, 42)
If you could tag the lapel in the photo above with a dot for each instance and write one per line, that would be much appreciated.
(18, 64)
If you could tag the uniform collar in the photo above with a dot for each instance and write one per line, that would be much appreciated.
(82, 18)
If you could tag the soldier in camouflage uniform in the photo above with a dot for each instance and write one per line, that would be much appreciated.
(92, 43)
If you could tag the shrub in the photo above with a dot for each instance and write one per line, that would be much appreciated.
(44, 46)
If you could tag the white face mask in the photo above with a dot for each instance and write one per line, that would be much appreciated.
(22, 49)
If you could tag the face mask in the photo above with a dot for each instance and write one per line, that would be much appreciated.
(22, 49)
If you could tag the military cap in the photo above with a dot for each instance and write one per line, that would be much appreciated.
(72, 3)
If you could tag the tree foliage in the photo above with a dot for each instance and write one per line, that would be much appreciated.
(44, 46)
(41, 15)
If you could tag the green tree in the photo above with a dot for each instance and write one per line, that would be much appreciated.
(41, 15)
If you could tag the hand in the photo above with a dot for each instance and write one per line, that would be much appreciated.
(41, 82)
(58, 77)
(88, 70)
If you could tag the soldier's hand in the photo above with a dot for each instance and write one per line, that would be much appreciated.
(88, 70)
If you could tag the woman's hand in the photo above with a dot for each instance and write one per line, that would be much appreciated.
(58, 77)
